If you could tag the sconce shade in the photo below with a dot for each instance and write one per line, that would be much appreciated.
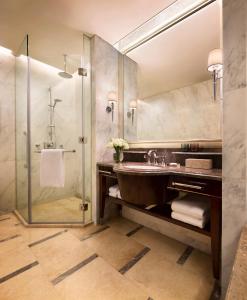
(133, 104)
(215, 60)
(112, 97)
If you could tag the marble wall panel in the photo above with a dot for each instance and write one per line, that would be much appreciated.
(7, 132)
(234, 37)
(234, 205)
(105, 76)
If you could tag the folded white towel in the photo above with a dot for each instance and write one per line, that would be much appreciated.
(194, 206)
(52, 168)
(113, 191)
(113, 194)
(189, 220)
(114, 188)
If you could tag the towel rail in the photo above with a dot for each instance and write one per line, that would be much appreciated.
(73, 151)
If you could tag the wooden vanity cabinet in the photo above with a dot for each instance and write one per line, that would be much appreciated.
(211, 188)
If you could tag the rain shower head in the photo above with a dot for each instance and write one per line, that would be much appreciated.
(65, 74)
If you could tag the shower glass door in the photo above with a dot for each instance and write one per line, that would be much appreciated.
(22, 130)
(60, 118)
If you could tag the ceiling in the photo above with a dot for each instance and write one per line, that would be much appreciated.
(56, 26)
(178, 57)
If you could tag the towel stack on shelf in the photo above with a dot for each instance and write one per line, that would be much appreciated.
(194, 210)
(114, 191)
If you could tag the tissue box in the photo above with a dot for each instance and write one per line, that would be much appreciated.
(196, 163)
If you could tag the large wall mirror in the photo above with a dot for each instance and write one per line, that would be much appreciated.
(168, 90)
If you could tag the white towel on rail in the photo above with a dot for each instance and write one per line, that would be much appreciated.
(193, 206)
(52, 168)
(189, 220)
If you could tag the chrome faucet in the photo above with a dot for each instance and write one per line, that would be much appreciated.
(151, 155)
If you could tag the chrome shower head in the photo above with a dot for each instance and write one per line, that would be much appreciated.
(65, 74)
(56, 101)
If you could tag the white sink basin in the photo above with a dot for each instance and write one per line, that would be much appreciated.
(141, 167)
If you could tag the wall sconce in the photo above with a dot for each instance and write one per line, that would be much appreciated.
(215, 66)
(112, 100)
(132, 108)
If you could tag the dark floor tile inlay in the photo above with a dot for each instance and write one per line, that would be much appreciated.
(134, 260)
(187, 252)
(93, 233)
(9, 238)
(19, 271)
(47, 238)
(5, 219)
(74, 269)
(134, 230)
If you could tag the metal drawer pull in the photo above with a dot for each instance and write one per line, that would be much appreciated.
(196, 187)
(105, 172)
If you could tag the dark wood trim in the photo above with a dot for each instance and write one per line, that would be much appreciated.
(216, 229)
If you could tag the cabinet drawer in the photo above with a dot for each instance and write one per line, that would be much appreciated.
(195, 185)
(106, 170)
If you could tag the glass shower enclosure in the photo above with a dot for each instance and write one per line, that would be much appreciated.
(53, 111)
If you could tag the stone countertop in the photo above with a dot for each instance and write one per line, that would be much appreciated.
(237, 289)
(214, 174)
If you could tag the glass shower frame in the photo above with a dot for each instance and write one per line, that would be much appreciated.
(86, 140)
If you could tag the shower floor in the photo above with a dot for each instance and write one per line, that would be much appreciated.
(65, 210)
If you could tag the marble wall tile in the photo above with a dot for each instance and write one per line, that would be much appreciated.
(234, 205)
(7, 132)
(7, 65)
(105, 80)
(7, 185)
(234, 134)
(234, 35)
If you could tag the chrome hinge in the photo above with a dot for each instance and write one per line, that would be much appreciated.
(84, 206)
(82, 140)
(82, 71)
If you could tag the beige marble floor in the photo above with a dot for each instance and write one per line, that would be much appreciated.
(63, 210)
(98, 263)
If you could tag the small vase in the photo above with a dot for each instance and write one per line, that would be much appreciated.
(118, 156)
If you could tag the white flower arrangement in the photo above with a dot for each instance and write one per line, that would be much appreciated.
(118, 143)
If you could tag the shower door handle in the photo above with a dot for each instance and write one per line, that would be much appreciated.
(26, 163)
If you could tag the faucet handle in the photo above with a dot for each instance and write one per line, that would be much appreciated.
(147, 157)
(161, 159)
